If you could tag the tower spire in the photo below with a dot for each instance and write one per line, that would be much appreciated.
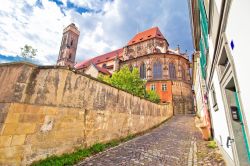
(68, 47)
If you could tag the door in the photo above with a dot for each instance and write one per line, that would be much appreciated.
(239, 138)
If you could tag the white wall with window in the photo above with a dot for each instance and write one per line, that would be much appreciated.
(238, 36)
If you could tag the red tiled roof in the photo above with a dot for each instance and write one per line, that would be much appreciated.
(102, 70)
(100, 59)
(145, 35)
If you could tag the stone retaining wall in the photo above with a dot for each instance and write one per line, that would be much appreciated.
(51, 110)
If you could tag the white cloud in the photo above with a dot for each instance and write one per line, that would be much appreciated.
(3, 61)
(21, 22)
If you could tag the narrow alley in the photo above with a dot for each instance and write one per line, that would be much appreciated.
(175, 143)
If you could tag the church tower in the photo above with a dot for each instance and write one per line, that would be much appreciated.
(67, 53)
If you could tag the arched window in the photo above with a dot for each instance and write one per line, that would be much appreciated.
(157, 70)
(172, 72)
(143, 71)
(71, 43)
(183, 74)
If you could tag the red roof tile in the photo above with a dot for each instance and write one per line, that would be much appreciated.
(100, 59)
(145, 35)
(102, 70)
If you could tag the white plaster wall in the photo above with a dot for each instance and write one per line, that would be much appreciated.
(218, 5)
(211, 49)
(221, 131)
(197, 88)
(92, 71)
(238, 30)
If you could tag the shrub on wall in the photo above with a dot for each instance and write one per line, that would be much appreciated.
(131, 82)
(153, 96)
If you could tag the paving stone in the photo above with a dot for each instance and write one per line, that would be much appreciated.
(175, 143)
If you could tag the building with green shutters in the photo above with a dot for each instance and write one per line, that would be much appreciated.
(221, 80)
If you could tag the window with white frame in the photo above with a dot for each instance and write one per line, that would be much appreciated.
(164, 87)
(152, 87)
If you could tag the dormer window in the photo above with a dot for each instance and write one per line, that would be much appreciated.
(141, 38)
(149, 35)
(133, 41)
(158, 34)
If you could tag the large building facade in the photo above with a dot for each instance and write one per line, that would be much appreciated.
(166, 71)
(220, 38)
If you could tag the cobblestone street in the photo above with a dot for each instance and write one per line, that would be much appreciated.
(174, 143)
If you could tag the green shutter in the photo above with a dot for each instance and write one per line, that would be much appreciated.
(203, 15)
(203, 23)
(243, 127)
(203, 60)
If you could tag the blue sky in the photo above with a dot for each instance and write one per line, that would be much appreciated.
(105, 25)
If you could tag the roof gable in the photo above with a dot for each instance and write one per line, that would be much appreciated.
(99, 69)
(100, 59)
(146, 35)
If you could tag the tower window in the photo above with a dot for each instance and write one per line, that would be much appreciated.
(71, 43)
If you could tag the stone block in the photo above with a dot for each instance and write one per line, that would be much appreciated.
(12, 153)
(67, 125)
(10, 129)
(50, 110)
(26, 128)
(12, 118)
(2, 117)
(17, 108)
(33, 109)
(5, 141)
(11, 162)
(31, 118)
(18, 140)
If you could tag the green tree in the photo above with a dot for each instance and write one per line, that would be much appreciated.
(28, 52)
(153, 96)
(127, 80)
(131, 82)
(105, 78)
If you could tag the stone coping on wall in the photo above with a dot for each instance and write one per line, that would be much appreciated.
(75, 71)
